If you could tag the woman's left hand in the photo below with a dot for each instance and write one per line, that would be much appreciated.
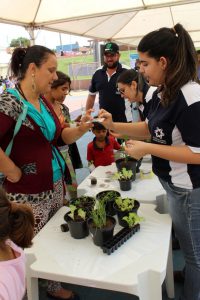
(84, 126)
(87, 117)
(136, 149)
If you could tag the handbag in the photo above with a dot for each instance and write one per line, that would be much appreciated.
(21, 118)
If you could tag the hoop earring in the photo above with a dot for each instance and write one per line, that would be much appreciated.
(33, 86)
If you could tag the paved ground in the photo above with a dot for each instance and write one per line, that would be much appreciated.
(77, 101)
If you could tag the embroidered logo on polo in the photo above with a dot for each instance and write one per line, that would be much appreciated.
(159, 134)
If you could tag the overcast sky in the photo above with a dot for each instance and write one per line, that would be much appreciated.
(45, 38)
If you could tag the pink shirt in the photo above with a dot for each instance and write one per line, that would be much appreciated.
(12, 275)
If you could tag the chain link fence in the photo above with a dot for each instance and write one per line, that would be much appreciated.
(81, 74)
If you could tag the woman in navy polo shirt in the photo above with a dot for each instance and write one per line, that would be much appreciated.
(168, 60)
(133, 86)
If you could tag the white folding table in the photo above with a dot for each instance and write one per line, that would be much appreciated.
(145, 190)
(138, 267)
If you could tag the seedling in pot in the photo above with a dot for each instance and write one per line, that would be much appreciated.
(98, 214)
(76, 220)
(124, 174)
(125, 204)
(80, 212)
(132, 219)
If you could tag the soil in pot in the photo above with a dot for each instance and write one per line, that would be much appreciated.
(127, 162)
(85, 202)
(109, 196)
(78, 228)
(101, 235)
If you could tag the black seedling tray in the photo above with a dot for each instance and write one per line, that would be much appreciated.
(120, 238)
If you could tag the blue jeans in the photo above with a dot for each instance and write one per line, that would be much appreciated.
(184, 207)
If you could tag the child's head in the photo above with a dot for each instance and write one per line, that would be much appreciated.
(61, 87)
(16, 222)
(99, 131)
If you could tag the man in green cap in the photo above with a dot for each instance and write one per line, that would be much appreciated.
(104, 82)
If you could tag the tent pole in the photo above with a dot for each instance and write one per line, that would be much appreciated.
(30, 30)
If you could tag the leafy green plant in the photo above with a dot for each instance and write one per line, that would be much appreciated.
(123, 154)
(74, 211)
(82, 200)
(125, 204)
(98, 214)
(132, 219)
(124, 174)
(108, 195)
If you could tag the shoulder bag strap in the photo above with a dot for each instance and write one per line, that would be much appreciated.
(20, 119)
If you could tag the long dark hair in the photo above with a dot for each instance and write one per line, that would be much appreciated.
(128, 76)
(175, 44)
(22, 57)
(16, 222)
(62, 79)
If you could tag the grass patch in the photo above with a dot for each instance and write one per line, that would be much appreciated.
(64, 62)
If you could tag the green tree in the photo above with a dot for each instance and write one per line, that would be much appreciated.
(20, 42)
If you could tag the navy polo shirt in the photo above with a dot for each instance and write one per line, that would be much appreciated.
(109, 97)
(177, 124)
(147, 96)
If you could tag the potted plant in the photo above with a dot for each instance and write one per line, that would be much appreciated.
(100, 225)
(132, 219)
(108, 197)
(123, 207)
(85, 202)
(124, 177)
(123, 160)
(76, 219)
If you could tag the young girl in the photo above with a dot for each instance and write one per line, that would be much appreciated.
(16, 229)
(60, 88)
(168, 60)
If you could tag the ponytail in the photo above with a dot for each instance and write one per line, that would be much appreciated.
(175, 44)
(22, 57)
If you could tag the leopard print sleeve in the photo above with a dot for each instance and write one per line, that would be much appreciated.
(10, 106)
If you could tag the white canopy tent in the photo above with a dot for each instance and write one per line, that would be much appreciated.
(124, 21)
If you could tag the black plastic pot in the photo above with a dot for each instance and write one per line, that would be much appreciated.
(109, 203)
(121, 214)
(119, 239)
(77, 228)
(101, 235)
(125, 185)
(129, 163)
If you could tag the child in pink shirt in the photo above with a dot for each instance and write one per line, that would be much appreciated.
(16, 229)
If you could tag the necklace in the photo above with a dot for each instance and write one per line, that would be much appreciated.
(21, 94)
